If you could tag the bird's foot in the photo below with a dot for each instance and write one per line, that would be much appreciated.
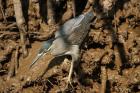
(68, 83)
(68, 87)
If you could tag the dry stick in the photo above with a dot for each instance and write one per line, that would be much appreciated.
(11, 25)
(103, 79)
(8, 35)
(21, 25)
(8, 27)
(2, 33)
(50, 12)
(12, 67)
(34, 35)
(1, 71)
(16, 58)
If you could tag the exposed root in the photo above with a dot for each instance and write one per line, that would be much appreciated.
(21, 25)
(8, 27)
(16, 59)
(11, 72)
(103, 79)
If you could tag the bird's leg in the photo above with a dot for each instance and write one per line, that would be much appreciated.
(75, 55)
(70, 73)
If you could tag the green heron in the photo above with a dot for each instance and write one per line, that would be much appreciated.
(68, 39)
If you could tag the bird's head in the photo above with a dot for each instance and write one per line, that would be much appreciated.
(43, 50)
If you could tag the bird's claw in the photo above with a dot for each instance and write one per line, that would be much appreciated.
(68, 83)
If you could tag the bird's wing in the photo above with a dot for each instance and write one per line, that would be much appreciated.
(81, 29)
(66, 28)
(77, 37)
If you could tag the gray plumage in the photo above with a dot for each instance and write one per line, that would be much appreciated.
(73, 32)
(68, 39)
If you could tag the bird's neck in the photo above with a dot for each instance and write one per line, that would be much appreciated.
(74, 52)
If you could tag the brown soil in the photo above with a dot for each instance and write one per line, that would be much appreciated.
(110, 54)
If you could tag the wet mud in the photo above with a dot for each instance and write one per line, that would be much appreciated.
(109, 56)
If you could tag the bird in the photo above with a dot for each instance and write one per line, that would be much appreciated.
(67, 40)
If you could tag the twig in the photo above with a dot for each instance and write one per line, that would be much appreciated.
(103, 79)
(11, 25)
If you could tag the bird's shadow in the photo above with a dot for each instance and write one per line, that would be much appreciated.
(52, 63)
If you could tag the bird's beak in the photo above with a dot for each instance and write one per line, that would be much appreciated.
(39, 56)
(36, 59)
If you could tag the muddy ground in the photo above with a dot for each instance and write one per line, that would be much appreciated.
(110, 54)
